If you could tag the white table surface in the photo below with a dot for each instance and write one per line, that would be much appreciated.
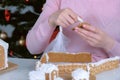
(110, 75)
(27, 65)
(21, 73)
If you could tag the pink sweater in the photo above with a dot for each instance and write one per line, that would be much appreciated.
(104, 14)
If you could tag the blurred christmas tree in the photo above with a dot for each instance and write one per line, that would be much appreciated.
(16, 18)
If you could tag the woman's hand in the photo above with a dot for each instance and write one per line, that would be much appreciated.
(63, 17)
(95, 37)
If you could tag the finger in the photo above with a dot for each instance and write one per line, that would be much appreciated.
(69, 19)
(87, 37)
(89, 40)
(91, 35)
(62, 22)
(88, 34)
(94, 32)
(90, 28)
(73, 15)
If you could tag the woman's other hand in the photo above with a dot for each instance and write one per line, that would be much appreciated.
(63, 17)
(95, 37)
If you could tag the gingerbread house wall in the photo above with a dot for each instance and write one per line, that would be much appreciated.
(52, 75)
(106, 66)
(3, 54)
(2, 58)
(68, 68)
(82, 57)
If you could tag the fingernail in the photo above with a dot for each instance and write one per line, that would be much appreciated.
(76, 30)
(84, 25)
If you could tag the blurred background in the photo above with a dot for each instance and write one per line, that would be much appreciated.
(17, 17)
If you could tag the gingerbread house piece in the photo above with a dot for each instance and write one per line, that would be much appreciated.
(52, 75)
(83, 57)
(104, 65)
(3, 54)
(67, 68)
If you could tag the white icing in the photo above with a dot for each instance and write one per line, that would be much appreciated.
(5, 46)
(95, 63)
(105, 60)
(80, 74)
(39, 74)
(47, 68)
(58, 78)
(38, 64)
(47, 57)
(36, 75)
(88, 68)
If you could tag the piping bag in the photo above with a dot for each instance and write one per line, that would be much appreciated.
(59, 43)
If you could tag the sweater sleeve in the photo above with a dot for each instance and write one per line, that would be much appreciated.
(38, 37)
(115, 51)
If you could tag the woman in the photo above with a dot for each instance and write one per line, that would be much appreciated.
(101, 37)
